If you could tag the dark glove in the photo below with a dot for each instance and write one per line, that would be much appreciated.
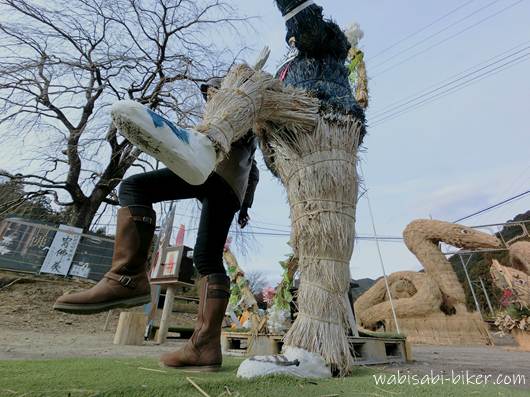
(243, 217)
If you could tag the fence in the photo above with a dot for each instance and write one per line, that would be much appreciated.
(473, 266)
(35, 247)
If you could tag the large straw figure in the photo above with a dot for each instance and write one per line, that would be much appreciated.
(318, 170)
(310, 128)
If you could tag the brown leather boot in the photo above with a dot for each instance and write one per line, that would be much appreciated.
(126, 284)
(202, 352)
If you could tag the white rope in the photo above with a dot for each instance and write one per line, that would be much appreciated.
(380, 255)
(297, 10)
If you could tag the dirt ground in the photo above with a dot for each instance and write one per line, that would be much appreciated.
(478, 360)
(30, 329)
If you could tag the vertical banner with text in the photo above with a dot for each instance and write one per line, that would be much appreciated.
(62, 250)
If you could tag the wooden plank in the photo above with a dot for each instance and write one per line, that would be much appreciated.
(190, 308)
(187, 298)
(130, 330)
(166, 313)
(170, 281)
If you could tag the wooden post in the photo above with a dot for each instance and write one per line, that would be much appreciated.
(166, 313)
(130, 330)
(107, 321)
(408, 352)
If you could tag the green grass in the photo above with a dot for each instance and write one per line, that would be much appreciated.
(123, 377)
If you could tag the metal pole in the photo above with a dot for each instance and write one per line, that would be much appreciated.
(469, 281)
(381, 256)
(487, 296)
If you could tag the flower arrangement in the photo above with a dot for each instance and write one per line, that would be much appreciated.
(279, 313)
(268, 295)
(515, 316)
(283, 297)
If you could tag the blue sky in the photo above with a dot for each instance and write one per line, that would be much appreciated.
(447, 159)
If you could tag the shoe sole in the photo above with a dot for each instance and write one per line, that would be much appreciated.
(140, 138)
(92, 308)
(192, 369)
(144, 140)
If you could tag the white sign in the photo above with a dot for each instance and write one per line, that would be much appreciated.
(62, 251)
(162, 244)
(81, 269)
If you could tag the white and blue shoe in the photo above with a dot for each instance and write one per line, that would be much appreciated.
(294, 361)
(188, 153)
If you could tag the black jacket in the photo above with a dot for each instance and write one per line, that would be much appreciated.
(239, 169)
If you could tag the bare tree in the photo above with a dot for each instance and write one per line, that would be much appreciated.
(64, 62)
(256, 281)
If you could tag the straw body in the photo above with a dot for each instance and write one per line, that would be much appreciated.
(318, 169)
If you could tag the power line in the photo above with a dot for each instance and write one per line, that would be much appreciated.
(504, 202)
(450, 78)
(449, 38)
(195, 217)
(420, 30)
(513, 184)
(393, 239)
(446, 83)
(280, 233)
(456, 88)
(436, 33)
(269, 228)
(452, 90)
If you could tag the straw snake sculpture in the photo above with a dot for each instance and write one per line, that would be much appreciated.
(516, 276)
(438, 290)
(520, 256)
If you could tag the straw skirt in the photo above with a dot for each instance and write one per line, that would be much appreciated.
(319, 172)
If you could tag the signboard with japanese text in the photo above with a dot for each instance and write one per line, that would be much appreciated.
(161, 244)
(62, 250)
(24, 246)
(81, 269)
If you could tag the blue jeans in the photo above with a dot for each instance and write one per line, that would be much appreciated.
(219, 205)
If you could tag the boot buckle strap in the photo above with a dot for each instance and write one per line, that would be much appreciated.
(125, 281)
(217, 294)
(144, 219)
